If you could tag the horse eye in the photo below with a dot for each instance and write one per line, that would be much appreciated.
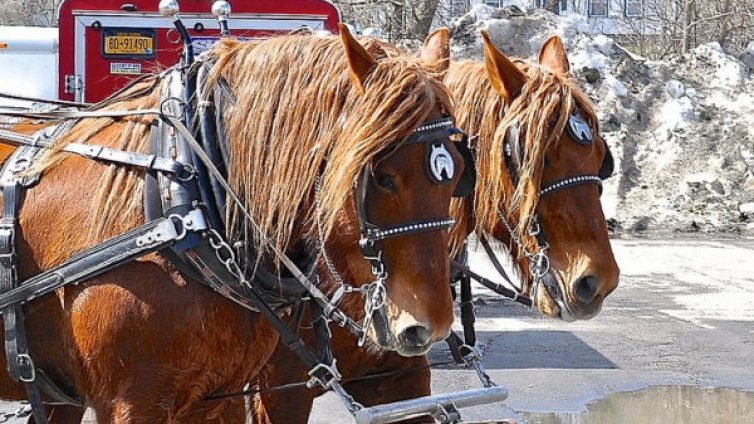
(385, 181)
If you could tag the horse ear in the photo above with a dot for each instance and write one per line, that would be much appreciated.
(360, 62)
(553, 56)
(436, 51)
(505, 77)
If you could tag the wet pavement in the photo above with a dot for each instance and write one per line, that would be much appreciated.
(660, 405)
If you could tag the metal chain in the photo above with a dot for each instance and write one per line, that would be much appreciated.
(539, 262)
(374, 293)
(321, 244)
(474, 359)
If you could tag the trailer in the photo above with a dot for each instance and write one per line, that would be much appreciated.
(101, 45)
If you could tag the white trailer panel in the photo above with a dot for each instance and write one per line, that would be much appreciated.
(28, 63)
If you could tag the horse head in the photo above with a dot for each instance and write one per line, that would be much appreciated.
(541, 161)
(365, 177)
(408, 185)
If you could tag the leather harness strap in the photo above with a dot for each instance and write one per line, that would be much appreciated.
(20, 365)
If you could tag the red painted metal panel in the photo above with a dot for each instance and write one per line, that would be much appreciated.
(104, 75)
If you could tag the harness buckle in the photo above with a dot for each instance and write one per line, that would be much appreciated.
(7, 245)
(447, 413)
(323, 375)
(368, 248)
(26, 369)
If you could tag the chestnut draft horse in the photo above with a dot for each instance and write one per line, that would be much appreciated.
(539, 99)
(145, 343)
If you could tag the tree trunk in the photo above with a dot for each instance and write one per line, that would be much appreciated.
(688, 13)
(396, 24)
(423, 15)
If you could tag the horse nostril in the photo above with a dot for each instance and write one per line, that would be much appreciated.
(586, 289)
(415, 336)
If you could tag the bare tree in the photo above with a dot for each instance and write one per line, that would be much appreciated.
(677, 26)
(399, 19)
(28, 12)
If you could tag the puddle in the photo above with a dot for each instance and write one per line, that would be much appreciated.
(660, 405)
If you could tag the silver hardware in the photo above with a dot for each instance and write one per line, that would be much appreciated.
(447, 414)
(435, 125)
(579, 129)
(195, 221)
(351, 405)
(377, 235)
(25, 361)
(165, 231)
(578, 180)
(375, 298)
(441, 163)
(221, 11)
(220, 8)
(474, 359)
(331, 370)
(430, 405)
(169, 8)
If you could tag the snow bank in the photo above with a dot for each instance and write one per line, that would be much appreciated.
(681, 130)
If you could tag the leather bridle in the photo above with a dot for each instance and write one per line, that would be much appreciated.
(375, 292)
(538, 259)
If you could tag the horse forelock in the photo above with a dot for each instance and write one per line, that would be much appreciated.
(296, 92)
(541, 111)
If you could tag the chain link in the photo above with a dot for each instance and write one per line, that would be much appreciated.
(374, 293)
(539, 262)
(329, 380)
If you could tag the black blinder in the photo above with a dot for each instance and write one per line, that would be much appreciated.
(608, 164)
(467, 182)
(438, 162)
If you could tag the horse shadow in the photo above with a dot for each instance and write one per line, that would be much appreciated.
(532, 349)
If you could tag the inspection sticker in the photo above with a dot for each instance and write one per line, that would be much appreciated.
(125, 68)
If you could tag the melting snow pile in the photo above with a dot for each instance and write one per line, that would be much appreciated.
(681, 130)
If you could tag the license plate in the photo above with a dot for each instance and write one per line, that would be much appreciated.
(127, 43)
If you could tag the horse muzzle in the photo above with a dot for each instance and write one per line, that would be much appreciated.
(407, 337)
(580, 302)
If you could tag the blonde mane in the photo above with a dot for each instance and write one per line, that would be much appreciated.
(541, 111)
(298, 115)
(296, 92)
